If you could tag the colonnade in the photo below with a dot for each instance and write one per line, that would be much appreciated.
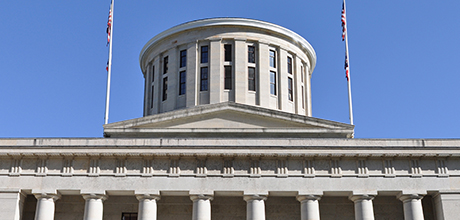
(255, 209)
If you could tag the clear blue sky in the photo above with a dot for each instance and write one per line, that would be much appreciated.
(404, 61)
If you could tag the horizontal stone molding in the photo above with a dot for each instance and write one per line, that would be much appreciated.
(362, 147)
(253, 163)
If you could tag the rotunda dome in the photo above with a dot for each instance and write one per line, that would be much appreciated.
(218, 60)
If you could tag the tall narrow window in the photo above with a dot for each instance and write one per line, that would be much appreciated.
(303, 98)
(153, 74)
(182, 82)
(228, 77)
(152, 97)
(272, 59)
(252, 79)
(290, 95)
(251, 54)
(183, 58)
(301, 73)
(165, 65)
(228, 52)
(272, 83)
(204, 54)
(204, 79)
(165, 88)
(289, 65)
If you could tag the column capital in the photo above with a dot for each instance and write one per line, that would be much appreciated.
(201, 197)
(361, 197)
(94, 196)
(254, 197)
(54, 196)
(145, 196)
(302, 198)
(408, 197)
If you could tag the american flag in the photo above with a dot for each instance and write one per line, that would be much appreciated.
(346, 67)
(344, 22)
(109, 24)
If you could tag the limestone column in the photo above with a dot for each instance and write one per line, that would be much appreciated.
(94, 206)
(147, 206)
(364, 209)
(45, 206)
(255, 208)
(201, 207)
(412, 205)
(309, 207)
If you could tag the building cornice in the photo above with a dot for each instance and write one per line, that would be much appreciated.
(339, 147)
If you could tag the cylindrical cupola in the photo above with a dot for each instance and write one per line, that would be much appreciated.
(217, 60)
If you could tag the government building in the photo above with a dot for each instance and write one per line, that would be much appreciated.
(227, 133)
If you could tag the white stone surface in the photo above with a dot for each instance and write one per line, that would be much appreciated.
(11, 204)
(364, 209)
(147, 206)
(412, 204)
(309, 207)
(45, 206)
(255, 209)
(447, 205)
(94, 208)
(201, 207)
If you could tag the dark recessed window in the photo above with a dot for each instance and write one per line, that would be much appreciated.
(152, 96)
(252, 79)
(251, 54)
(272, 83)
(289, 65)
(165, 88)
(182, 82)
(303, 98)
(272, 59)
(165, 65)
(129, 216)
(204, 54)
(204, 79)
(183, 58)
(228, 52)
(301, 73)
(290, 94)
(228, 77)
(152, 87)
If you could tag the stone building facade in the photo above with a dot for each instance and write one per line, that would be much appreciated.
(228, 144)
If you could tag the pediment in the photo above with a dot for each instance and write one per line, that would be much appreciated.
(227, 119)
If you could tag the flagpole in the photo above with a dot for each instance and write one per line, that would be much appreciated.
(109, 67)
(350, 106)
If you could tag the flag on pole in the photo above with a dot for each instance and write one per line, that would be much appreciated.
(109, 61)
(109, 24)
(344, 22)
(347, 61)
(346, 67)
